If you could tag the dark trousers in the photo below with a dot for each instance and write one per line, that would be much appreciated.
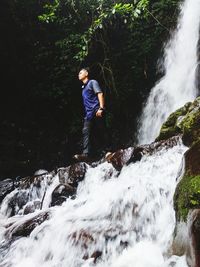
(95, 139)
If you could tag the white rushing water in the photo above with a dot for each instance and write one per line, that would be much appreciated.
(178, 84)
(128, 218)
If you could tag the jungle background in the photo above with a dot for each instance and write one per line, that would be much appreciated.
(44, 44)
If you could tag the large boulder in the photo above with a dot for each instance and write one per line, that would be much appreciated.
(126, 156)
(17, 200)
(77, 173)
(187, 207)
(185, 121)
(6, 186)
(25, 228)
(187, 194)
(35, 180)
(187, 239)
(61, 193)
(193, 255)
(119, 158)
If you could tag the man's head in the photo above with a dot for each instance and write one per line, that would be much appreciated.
(83, 74)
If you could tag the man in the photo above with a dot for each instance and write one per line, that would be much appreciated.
(94, 121)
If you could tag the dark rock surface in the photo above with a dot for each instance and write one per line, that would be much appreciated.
(132, 154)
(6, 186)
(17, 201)
(187, 194)
(35, 180)
(77, 173)
(193, 256)
(61, 193)
(28, 226)
(32, 207)
(120, 158)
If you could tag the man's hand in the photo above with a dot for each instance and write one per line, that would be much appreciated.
(99, 113)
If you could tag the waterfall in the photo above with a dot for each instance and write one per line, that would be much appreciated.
(126, 218)
(177, 86)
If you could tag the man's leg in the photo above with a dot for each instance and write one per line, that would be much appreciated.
(86, 137)
(101, 138)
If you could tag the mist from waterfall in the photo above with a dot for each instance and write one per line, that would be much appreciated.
(178, 84)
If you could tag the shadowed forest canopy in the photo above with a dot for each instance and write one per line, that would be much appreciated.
(45, 43)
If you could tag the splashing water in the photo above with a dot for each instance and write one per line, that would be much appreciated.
(178, 84)
(126, 218)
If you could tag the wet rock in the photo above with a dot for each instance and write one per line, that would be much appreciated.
(192, 159)
(187, 194)
(154, 147)
(163, 144)
(25, 228)
(132, 154)
(36, 180)
(193, 259)
(77, 173)
(181, 239)
(185, 121)
(17, 201)
(63, 174)
(32, 207)
(61, 193)
(6, 186)
(40, 172)
(187, 205)
(187, 239)
(82, 238)
(172, 126)
(95, 255)
(119, 158)
(29, 208)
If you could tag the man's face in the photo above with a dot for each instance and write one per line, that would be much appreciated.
(82, 75)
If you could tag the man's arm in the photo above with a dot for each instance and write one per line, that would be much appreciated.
(98, 91)
(99, 112)
(101, 100)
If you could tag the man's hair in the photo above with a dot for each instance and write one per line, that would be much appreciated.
(86, 68)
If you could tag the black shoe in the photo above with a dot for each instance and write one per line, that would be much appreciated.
(81, 157)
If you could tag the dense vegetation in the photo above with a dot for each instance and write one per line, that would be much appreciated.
(44, 44)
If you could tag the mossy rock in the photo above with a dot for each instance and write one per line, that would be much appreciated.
(171, 127)
(191, 128)
(187, 195)
(185, 121)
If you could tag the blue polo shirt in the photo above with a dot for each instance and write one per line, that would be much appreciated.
(90, 98)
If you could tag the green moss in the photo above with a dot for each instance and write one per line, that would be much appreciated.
(189, 125)
(171, 121)
(187, 196)
(170, 127)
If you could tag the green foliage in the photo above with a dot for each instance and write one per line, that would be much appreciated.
(50, 12)
(50, 40)
(102, 12)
